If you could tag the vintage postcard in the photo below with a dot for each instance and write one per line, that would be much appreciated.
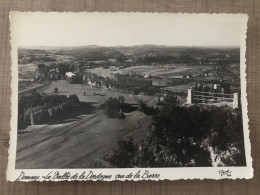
(128, 96)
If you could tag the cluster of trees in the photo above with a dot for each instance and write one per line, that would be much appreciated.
(24, 84)
(34, 115)
(220, 61)
(64, 67)
(115, 107)
(41, 108)
(112, 108)
(147, 109)
(132, 84)
(126, 84)
(142, 87)
(186, 136)
(43, 69)
(31, 58)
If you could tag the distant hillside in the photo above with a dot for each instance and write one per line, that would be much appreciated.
(92, 53)
(177, 51)
(152, 52)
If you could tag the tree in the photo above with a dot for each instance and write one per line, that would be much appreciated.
(42, 69)
(32, 118)
(62, 69)
(112, 107)
(146, 109)
(55, 90)
(122, 155)
(50, 111)
(119, 59)
(171, 101)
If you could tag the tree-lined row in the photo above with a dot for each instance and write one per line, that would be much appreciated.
(41, 108)
(125, 83)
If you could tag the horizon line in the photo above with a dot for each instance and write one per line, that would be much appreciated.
(64, 46)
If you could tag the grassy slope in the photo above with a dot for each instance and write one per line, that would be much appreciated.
(75, 144)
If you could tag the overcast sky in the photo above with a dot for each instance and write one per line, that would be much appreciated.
(108, 29)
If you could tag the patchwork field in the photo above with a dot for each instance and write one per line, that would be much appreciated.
(155, 71)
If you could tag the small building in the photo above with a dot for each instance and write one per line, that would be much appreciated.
(70, 76)
(187, 76)
(216, 86)
(52, 70)
(147, 76)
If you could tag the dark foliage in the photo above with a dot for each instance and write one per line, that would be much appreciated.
(122, 155)
(183, 136)
(187, 136)
(111, 107)
(115, 107)
(55, 90)
(127, 108)
(40, 108)
(65, 67)
(147, 109)
(42, 69)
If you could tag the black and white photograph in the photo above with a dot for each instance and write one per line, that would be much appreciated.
(115, 92)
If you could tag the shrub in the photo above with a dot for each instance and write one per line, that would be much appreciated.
(146, 109)
(55, 90)
(50, 111)
(121, 99)
(127, 108)
(122, 155)
(111, 107)
(73, 99)
(26, 117)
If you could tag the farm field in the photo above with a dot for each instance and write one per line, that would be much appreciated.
(156, 71)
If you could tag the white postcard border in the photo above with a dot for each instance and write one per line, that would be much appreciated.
(137, 173)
